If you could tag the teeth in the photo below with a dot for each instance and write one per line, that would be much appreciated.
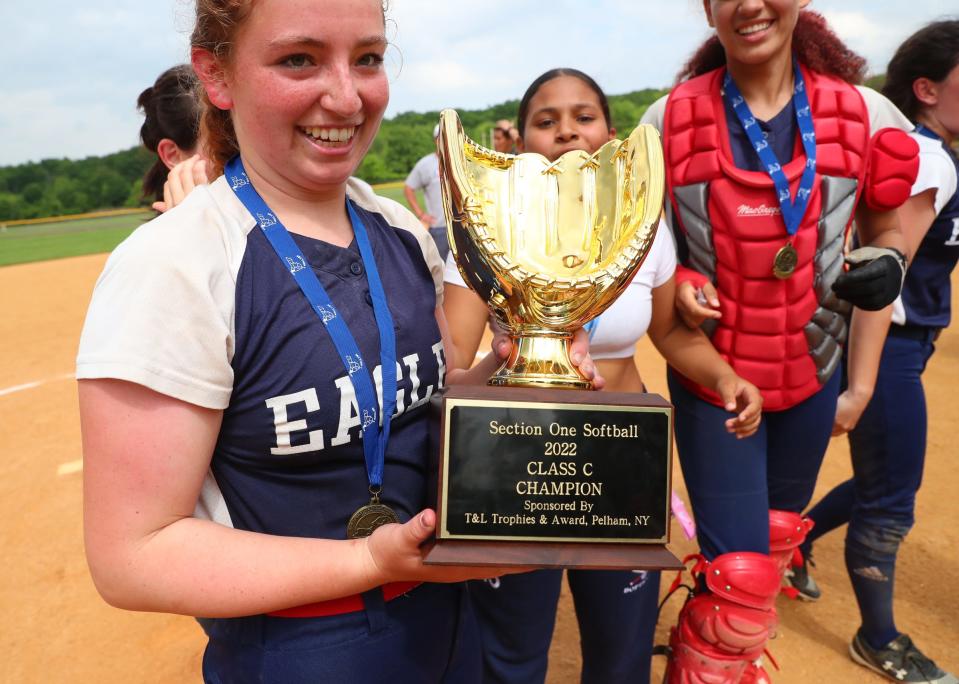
(754, 28)
(330, 134)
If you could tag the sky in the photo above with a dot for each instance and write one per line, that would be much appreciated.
(70, 72)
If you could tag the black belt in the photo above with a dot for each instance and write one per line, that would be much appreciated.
(920, 333)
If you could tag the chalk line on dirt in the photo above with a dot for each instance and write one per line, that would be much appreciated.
(37, 383)
(70, 467)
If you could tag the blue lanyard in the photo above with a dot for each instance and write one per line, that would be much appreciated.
(922, 130)
(290, 255)
(792, 211)
(590, 328)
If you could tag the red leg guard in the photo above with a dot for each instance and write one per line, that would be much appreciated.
(787, 530)
(688, 665)
(755, 674)
(721, 631)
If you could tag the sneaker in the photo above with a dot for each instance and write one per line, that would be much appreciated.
(799, 579)
(899, 661)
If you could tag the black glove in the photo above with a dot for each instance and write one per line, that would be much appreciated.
(874, 278)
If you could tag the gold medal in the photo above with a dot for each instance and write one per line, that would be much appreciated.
(367, 518)
(785, 262)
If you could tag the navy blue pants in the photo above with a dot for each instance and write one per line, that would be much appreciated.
(733, 483)
(425, 637)
(616, 611)
(888, 449)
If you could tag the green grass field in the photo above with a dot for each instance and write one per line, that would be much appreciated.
(20, 244)
(40, 242)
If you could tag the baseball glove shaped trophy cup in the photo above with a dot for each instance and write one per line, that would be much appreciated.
(536, 469)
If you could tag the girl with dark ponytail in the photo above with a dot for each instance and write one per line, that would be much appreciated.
(171, 124)
(888, 443)
(771, 150)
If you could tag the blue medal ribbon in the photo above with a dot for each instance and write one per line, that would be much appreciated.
(375, 432)
(590, 327)
(792, 210)
(922, 130)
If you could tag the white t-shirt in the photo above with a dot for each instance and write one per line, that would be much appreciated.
(622, 325)
(425, 176)
(936, 170)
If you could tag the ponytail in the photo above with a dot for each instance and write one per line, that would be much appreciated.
(170, 110)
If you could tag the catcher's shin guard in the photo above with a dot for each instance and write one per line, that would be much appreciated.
(723, 630)
(755, 674)
(787, 531)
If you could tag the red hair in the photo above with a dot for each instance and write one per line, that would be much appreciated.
(815, 44)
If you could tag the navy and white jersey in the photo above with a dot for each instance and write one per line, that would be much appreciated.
(926, 292)
(196, 305)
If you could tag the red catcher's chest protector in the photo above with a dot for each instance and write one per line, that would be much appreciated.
(785, 336)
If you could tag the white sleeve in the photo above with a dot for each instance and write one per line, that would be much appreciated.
(451, 273)
(936, 170)
(162, 310)
(655, 114)
(663, 255)
(415, 178)
(882, 112)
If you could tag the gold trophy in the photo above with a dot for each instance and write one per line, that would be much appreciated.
(540, 470)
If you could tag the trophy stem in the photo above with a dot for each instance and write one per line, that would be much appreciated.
(541, 361)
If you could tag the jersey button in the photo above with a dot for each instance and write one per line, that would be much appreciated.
(369, 299)
(356, 268)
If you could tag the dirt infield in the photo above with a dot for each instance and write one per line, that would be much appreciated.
(55, 627)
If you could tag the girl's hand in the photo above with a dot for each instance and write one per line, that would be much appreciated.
(578, 353)
(744, 399)
(849, 410)
(696, 305)
(393, 554)
(181, 181)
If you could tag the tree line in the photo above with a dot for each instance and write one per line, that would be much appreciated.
(55, 187)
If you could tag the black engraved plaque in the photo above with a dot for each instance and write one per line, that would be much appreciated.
(556, 471)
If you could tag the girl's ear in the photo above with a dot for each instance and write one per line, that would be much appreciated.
(612, 134)
(708, 9)
(926, 91)
(170, 153)
(212, 77)
(803, 4)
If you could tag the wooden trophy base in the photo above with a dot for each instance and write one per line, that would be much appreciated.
(580, 556)
(552, 478)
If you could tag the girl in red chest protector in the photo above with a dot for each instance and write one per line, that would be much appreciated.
(771, 152)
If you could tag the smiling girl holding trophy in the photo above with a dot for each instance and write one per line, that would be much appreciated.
(237, 462)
